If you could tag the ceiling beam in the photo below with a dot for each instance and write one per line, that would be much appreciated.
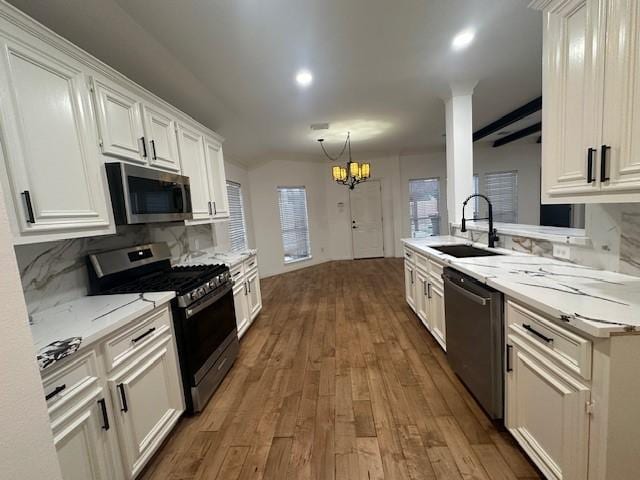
(525, 132)
(512, 117)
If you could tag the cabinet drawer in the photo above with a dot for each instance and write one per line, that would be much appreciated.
(250, 264)
(69, 380)
(237, 273)
(435, 272)
(563, 346)
(409, 255)
(131, 340)
(422, 262)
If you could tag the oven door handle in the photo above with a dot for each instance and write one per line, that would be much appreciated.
(207, 301)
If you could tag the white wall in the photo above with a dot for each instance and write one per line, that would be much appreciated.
(26, 442)
(239, 174)
(264, 181)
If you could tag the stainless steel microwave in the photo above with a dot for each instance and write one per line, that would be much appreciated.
(144, 195)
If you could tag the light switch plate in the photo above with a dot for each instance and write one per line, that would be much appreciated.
(561, 251)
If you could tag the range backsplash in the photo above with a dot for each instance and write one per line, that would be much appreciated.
(614, 230)
(56, 272)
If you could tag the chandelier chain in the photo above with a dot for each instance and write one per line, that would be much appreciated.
(347, 142)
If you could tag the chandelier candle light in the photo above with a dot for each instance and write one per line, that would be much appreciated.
(351, 175)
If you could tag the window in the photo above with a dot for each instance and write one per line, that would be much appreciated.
(424, 212)
(502, 190)
(237, 229)
(294, 223)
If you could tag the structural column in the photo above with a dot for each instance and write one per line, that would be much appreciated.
(459, 127)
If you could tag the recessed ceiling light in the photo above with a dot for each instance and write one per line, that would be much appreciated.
(463, 39)
(304, 78)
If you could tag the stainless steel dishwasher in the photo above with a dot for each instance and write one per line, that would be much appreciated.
(475, 331)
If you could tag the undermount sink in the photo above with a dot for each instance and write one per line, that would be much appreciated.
(465, 251)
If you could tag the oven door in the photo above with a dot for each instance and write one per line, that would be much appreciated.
(208, 327)
(144, 195)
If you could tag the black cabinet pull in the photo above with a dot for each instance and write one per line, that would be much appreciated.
(509, 352)
(537, 334)
(590, 153)
(215, 210)
(27, 201)
(144, 147)
(123, 398)
(105, 416)
(210, 209)
(153, 148)
(429, 290)
(55, 391)
(148, 332)
(603, 163)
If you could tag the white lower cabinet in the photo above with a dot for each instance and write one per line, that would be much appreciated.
(410, 283)
(81, 438)
(421, 297)
(148, 400)
(436, 314)
(247, 295)
(107, 420)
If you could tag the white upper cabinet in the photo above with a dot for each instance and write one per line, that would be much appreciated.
(160, 130)
(52, 156)
(215, 164)
(621, 124)
(590, 101)
(120, 123)
(194, 166)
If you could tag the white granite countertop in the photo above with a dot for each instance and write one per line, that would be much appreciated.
(213, 257)
(597, 302)
(88, 319)
(572, 236)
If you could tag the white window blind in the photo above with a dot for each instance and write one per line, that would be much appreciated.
(294, 223)
(237, 226)
(502, 190)
(424, 210)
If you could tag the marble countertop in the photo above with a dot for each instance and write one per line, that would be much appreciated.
(597, 302)
(208, 257)
(63, 330)
(571, 236)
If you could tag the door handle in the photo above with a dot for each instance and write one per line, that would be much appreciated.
(27, 201)
(144, 147)
(603, 163)
(249, 286)
(153, 149)
(210, 209)
(509, 366)
(245, 288)
(411, 273)
(105, 416)
(590, 153)
(425, 289)
(215, 209)
(123, 398)
(145, 334)
(55, 391)
(429, 290)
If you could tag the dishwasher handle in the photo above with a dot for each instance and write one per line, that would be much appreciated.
(470, 295)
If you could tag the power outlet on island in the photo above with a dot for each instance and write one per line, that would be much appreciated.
(561, 251)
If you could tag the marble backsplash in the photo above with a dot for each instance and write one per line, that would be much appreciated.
(614, 230)
(56, 272)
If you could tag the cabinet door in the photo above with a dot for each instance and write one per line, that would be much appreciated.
(148, 397)
(215, 163)
(436, 314)
(120, 123)
(160, 129)
(622, 97)
(572, 97)
(254, 294)
(421, 298)
(194, 166)
(410, 284)
(241, 303)
(546, 412)
(81, 442)
(52, 152)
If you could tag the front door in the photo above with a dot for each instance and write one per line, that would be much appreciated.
(366, 220)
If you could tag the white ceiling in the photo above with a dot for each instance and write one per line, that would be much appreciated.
(380, 66)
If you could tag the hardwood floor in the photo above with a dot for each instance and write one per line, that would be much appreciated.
(338, 379)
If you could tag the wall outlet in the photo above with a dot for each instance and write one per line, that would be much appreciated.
(562, 251)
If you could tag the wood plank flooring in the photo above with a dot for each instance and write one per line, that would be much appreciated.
(338, 379)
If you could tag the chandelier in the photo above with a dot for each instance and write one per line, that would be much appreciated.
(354, 172)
